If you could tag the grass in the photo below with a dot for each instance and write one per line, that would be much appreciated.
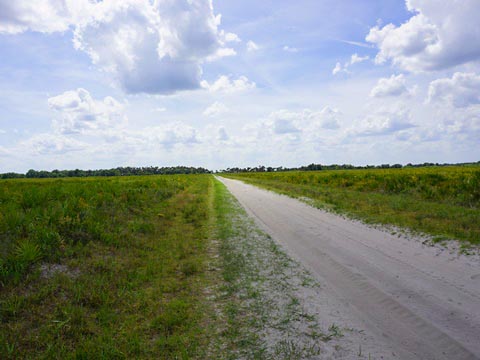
(443, 202)
(104, 268)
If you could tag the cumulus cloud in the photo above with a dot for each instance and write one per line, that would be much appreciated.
(227, 85)
(77, 112)
(216, 109)
(152, 47)
(229, 37)
(354, 59)
(286, 121)
(294, 127)
(439, 35)
(51, 144)
(148, 46)
(462, 90)
(284, 126)
(384, 122)
(252, 46)
(327, 118)
(392, 86)
(169, 135)
(221, 53)
(46, 16)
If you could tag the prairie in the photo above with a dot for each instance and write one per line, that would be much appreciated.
(169, 266)
(441, 201)
(104, 267)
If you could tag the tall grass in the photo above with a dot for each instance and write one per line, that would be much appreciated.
(103, 267)
(442, 201)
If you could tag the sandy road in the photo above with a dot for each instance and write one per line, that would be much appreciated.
(414, 301)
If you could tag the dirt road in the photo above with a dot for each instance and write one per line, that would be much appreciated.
(413, 301)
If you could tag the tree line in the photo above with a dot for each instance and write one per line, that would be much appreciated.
(317, 167)
(155, 170)
(119, 171)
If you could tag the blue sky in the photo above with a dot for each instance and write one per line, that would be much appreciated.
(87, 84)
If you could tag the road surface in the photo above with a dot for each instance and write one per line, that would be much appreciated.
(414, 301)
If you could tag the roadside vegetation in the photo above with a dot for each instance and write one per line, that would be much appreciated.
(441, 201)
(110, 268)
(265, 298)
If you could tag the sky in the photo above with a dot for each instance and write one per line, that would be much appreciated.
(99, 84)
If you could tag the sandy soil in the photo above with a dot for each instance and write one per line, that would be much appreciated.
(411, 300)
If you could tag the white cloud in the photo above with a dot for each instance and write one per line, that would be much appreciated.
(216, 109)
(286, 121)
(440, 35)
(252, 46)
(462, 90)
(148, 46)
(287, 130)
(284, 126)
(327, 118)
(221, 53)
(337, 69)
(227, 85)
(354, 59)
(169, 135)
(2, 131)
(283, 122)
(78, 112)
(45, 144)
(290, 49)
(358, 59)
(384, 121)
(45, 16)
(152, 47)
(160, 109)
(392, 86)
(229, 37)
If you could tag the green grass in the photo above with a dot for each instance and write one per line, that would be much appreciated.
(109, 268)
(444, 202)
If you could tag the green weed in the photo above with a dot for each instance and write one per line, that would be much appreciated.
(128, 258)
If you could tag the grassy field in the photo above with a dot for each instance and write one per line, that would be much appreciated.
(105, 267)
(154, 267)
(442, 201)
(168, 266)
